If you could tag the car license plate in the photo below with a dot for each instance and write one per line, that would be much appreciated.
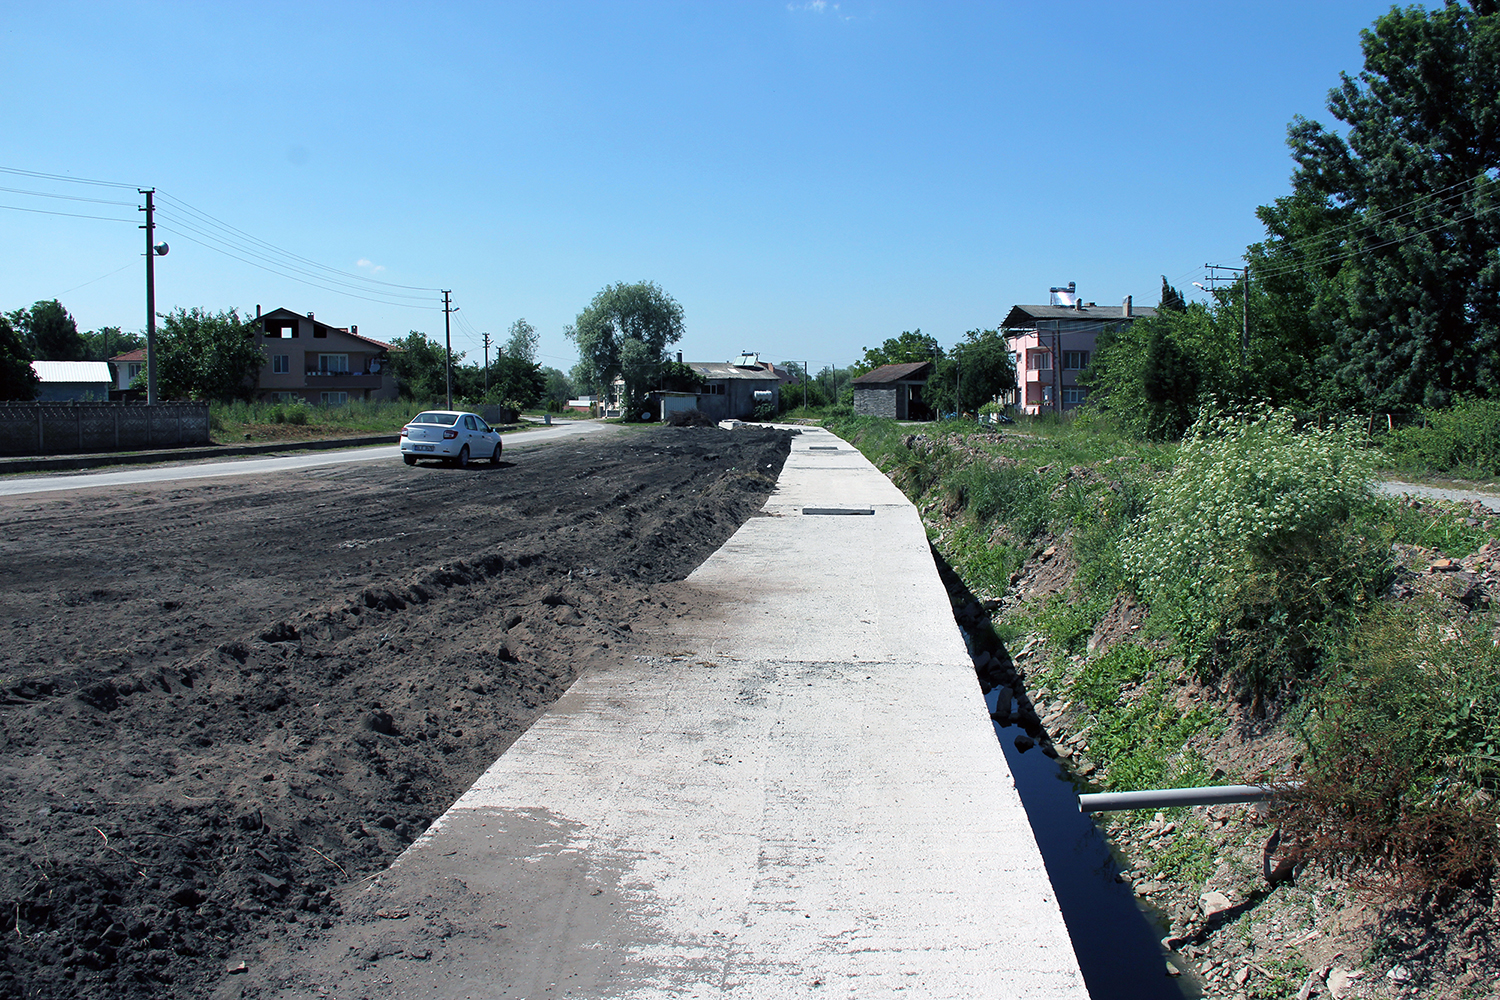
(422, 447)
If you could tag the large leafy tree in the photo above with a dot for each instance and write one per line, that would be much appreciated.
(109, 341)
(1389, 245)
(559, 388)
(621, 313)
(18, 381)
(515, 381)
(521, 341)
(911, 346)
(49, 332)
(420, 370)
(204, 355)
(978, 369)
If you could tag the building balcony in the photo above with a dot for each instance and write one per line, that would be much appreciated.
(342, 381)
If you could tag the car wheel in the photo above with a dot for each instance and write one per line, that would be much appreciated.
(463, 456)
(495, 455)
(409, 459)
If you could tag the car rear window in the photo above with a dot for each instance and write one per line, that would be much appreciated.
(447, 419)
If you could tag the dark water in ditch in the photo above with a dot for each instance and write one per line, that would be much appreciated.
(1118, 946)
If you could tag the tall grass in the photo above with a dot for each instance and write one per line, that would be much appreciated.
(240, 418)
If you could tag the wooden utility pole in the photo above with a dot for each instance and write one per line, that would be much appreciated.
(485, 339)
(448, 345)
(150, 228)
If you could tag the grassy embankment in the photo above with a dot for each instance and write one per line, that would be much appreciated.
(239, 421)
(1259, 562)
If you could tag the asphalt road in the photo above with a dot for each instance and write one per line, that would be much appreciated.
(19, 485)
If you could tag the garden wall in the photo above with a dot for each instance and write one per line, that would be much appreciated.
(68, 428)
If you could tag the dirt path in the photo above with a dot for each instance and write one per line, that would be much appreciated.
(220, 702)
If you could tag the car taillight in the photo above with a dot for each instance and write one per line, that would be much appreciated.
(403, 431)
(449, 435)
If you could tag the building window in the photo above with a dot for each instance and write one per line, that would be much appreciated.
(1039, 361)
(333, 362)
(1075, 360)
(281, 364)
(335, 398)
(283, 397)
(1072, 395)
(132, 369)
(282, 331)
(714, 389)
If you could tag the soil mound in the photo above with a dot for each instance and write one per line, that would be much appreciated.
(221, 702)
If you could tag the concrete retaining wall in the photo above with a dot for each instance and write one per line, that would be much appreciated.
(68, 428)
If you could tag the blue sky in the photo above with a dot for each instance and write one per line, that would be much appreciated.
(806, 179)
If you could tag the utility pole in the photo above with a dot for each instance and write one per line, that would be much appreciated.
(1213, 279)
(486, 340)
(448, 345)
(805, 370)
(150, 228)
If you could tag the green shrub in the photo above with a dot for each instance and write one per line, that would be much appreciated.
(1249, 548)
(1464, 438)
(1404, 756)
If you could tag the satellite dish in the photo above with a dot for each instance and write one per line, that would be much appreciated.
(161, 249)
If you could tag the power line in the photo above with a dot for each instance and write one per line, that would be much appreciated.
(70, 215)
(173, 220)
(68, 197)
(291, 277)
(63, 177)
(239, 233)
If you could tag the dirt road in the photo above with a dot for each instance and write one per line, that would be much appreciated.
(221, 701)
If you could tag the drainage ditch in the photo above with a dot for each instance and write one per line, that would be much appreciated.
(1116, 937)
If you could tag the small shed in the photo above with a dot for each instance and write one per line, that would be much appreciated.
(65, 380)
(893, 391)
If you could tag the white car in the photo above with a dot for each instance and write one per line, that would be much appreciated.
(450, 435)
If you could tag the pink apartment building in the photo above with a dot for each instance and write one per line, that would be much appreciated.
(1051, 344)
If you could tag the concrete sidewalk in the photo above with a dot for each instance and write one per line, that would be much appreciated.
(806, 800)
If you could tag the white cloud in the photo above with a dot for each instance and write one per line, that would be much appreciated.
(819, 7)
(371, 266)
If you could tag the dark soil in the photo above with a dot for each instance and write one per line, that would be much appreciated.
(221, 702)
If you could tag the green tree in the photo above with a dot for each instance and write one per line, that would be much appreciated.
(203, 355)
(639, 370)
(108, 342)
(514, 381)
(49, 332)
(1391, 230)
(420, 370)
(1171, 298)
(18, 381)
(522, 341)
(911, 346)
(620, 313)
(558, 388)
(978, 369)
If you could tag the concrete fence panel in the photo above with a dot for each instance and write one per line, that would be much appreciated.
(71, 428)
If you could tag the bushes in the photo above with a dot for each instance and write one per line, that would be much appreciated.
(1464, 439)
(1249, 550)
(1404, 762)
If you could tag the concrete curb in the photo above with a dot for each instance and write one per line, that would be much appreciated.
(55, 463)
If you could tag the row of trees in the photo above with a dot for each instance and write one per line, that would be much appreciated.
(1377, 288)
(214, 355)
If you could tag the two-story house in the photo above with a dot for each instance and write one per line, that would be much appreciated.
(318, 363)
(1051, 344)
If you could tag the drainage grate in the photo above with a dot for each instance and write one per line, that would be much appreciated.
(837, 510)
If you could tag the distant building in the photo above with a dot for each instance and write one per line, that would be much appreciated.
(65, 380)
(732, 390)
(893, 391)
(1051, 344)
(317, 363)
(127, 366)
